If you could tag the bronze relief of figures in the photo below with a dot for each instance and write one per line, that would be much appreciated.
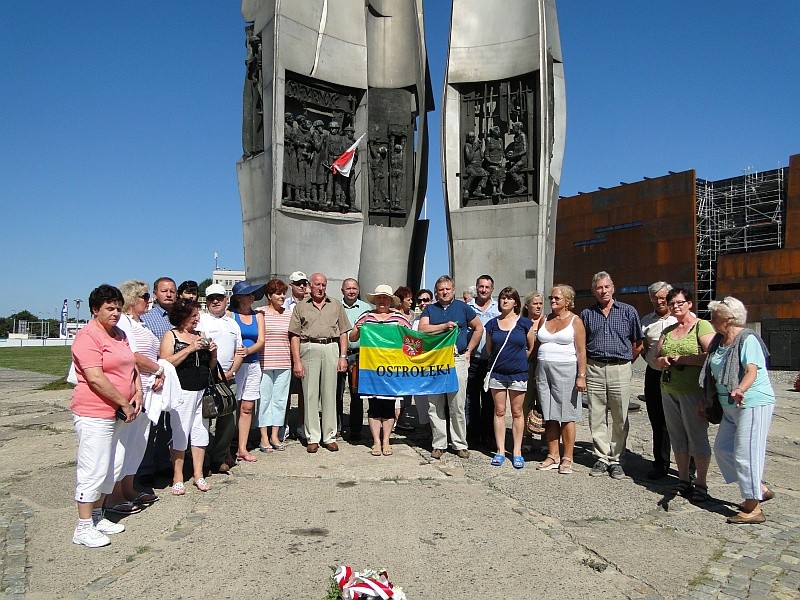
(253, 108)
(497, 160)
(313, 139)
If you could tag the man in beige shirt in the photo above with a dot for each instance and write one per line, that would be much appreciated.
(318, 338)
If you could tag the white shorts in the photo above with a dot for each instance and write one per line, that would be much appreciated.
(514, 386)
(187, 420)
(248, 382)
(97, 441)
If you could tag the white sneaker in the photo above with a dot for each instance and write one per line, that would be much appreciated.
(90, 537)
(109, 527)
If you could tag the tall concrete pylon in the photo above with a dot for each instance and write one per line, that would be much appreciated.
(503, 130)
(320, 74)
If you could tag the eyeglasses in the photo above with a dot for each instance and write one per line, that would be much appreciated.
(556, 298)
(421, 300)
(145, 296)
(677, 303)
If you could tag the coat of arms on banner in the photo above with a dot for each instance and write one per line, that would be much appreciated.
(411, 346)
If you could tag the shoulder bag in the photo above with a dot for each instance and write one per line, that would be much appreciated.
(218, 399)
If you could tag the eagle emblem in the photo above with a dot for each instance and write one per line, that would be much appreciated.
(411, 346)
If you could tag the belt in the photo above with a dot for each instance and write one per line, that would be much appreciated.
(327, 340)
(610, 361)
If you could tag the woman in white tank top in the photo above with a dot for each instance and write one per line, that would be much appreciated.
(560, 356)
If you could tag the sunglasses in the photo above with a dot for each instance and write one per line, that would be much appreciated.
(421, 300)
(556, 298)
(145, 296)
(301, 283)
(216, 298)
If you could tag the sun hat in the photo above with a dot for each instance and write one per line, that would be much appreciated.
(384, 290)
(242, 288)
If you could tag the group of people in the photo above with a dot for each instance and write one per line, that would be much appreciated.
(141, 376)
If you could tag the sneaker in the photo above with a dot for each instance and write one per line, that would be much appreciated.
(616, 471)
(109, 527)
(463, 453)
(599, 468)
(90, 537)
(437, 453)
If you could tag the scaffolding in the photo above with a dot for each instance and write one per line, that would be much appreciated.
(740, 214)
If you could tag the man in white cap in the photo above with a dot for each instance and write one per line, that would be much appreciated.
(226, 334)
(298, 283)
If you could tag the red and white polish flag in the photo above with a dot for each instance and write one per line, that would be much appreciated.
(344, 163)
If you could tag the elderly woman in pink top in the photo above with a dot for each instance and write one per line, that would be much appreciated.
(108, 393)
(276, 367)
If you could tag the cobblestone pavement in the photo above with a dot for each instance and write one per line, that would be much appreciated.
(461, 527)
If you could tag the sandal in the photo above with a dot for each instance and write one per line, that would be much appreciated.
(261, 449)
(684, 488)
(202, 485)
(376, 450)
(249, 457)
(498, 459)
(700, 493)
(124, 508)
(178, 489)
(279, 447)
(387, 450)
(548, 464)
(145, 498)
(518, 462)
(565, 466)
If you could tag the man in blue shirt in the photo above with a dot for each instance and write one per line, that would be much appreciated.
(480, 406)
(443, 315)
(156, 455)
(613, 341)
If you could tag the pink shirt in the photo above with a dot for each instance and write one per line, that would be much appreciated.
(276, 353)
(93, 347)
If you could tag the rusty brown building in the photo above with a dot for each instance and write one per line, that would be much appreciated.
(737, 236)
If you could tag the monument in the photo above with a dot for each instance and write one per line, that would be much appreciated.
(503, 128)
(318, 75)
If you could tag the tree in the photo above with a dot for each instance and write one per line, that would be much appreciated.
(201, 288)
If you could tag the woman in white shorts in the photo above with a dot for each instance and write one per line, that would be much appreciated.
(509, 340)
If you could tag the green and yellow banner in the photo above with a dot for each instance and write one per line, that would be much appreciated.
(397, 361)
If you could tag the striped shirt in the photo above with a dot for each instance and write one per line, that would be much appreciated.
(276, 353)
(611, 337)
(394, 318)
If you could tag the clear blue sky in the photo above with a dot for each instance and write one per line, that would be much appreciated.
(121, 124)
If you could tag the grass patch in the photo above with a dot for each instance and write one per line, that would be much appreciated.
(48, 360)
(57, 385)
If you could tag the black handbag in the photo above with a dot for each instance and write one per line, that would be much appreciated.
(218, 399)
(714, 412)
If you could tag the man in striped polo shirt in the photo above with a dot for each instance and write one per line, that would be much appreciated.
(613, 341)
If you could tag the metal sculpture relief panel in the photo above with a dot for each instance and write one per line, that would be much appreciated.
(318, 128)
(253, 105)
(497, 157)
(391, 131)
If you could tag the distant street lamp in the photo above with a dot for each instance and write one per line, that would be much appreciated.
(78, 308)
